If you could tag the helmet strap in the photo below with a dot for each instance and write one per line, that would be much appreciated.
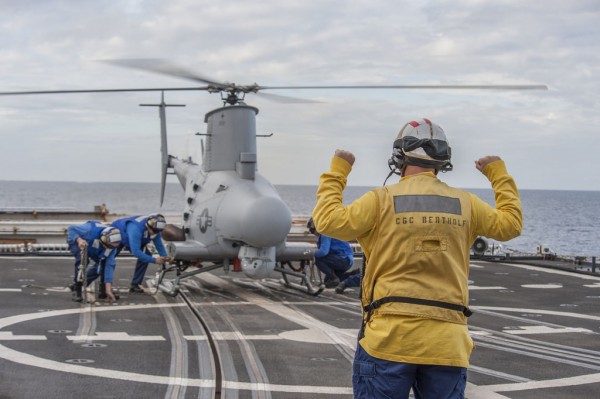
(392, 171)
(395, 163)
(403, 169)
(104, 243)
(423, 163)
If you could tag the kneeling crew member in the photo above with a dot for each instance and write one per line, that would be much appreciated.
(101, 242)
(137, 232)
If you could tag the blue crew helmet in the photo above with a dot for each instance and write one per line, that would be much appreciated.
(156, 222)
(110, 237)
(421, 143)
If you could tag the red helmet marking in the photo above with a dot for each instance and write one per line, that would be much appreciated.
(414, 124)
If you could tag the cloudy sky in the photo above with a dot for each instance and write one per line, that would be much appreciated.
(549, 139)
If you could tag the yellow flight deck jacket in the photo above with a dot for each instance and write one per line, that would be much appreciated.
(416, 235)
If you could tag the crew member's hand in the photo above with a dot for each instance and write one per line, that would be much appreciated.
(161, 260)
(81, 243)
(483, 162)
(109, 293)
(346, 155)
(110, 296)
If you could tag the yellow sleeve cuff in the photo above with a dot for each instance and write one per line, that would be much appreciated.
(495, 169)
(340, 166)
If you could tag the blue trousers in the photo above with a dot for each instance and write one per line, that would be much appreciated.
(383, 379)
(353, 280)
(140, 270)
(332, 265)
(94, 272)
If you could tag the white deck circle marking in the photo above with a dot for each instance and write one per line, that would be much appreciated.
(9, 336)
(539, 311)
(550, 285)
(552, 271)
(312, 335)
(35, 361)
(115, 336)
(525, 330)
(595, 285)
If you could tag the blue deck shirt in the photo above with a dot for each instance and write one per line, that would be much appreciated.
(328, 245)
(135, 236)
(91, 231)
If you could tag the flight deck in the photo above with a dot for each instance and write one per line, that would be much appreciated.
(536, 331)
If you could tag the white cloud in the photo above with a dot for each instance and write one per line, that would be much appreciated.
(54, 45)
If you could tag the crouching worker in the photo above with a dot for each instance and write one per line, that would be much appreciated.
(353, 279)
(137, 232)
(333, 258)
(101, 243)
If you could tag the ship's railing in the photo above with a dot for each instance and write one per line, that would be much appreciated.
(47, 249)
(12, 248)
(38, 249)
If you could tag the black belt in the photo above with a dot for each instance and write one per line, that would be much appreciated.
(417, 301)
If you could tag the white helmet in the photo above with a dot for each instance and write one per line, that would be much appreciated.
(110, 237)
(156, 222)
(421, 143)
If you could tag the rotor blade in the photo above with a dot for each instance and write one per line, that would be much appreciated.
(285, 99)
(16, 93)
(164, 67)
(465, 87)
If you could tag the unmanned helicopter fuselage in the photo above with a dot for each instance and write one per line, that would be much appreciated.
(231, 211)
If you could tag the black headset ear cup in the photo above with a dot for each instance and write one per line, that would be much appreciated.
(310, 225)
(396, 161)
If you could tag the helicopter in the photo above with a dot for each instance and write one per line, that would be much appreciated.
(232, 213)
(233, 217)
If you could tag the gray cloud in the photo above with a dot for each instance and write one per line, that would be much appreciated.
(549, 139)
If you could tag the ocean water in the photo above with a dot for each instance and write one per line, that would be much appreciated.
(566, 221)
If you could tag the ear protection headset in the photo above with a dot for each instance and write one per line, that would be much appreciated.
(311, 226)
(156, 222)
(110, 237)
(420, 143)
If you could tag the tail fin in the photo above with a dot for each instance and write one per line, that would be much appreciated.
(163, 147)
(163, 141)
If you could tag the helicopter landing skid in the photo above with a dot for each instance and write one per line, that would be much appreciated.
(171, 287)
(304, 285)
